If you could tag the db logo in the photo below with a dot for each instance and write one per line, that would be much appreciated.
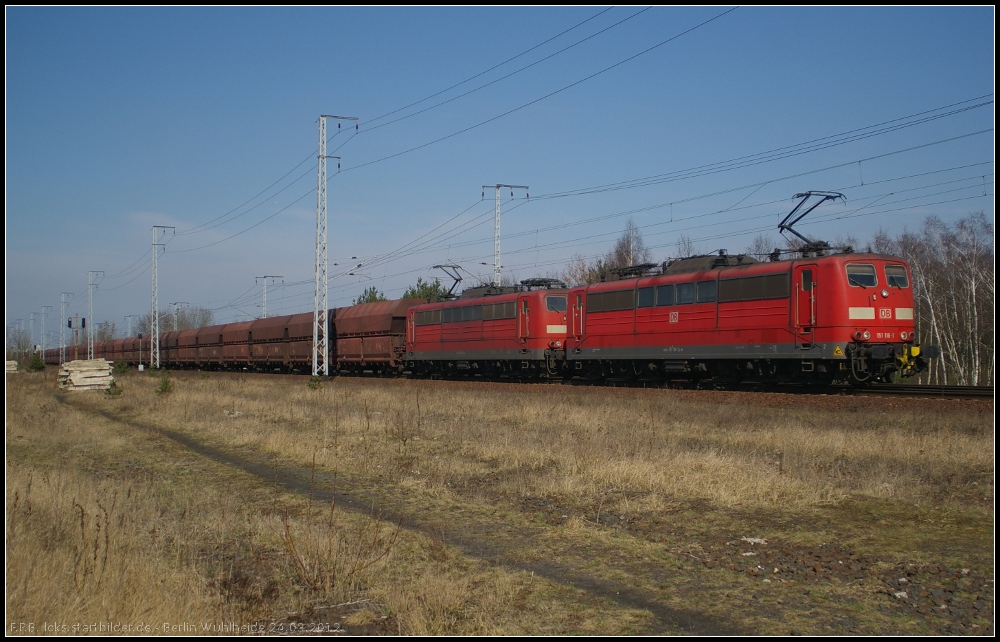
(885, 313)
(674, 317)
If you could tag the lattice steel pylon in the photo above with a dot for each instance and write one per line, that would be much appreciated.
(263, 299)
(496, 226)
(321, 352)
(90, 311)
(176, 305)
(42, 341)
(154, 325)
(62, 325)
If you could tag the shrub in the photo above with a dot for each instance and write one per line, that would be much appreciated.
(166, 386)
(36, 364)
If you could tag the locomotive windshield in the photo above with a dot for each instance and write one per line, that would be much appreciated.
(555, 303)
(895, 276)
(861, 275)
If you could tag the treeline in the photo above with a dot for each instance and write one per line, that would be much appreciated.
(954, 278)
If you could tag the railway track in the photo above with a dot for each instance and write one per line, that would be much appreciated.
(910, 390)
(916, 390)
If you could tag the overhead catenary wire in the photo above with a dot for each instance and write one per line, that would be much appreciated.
(513, 73)
(714, 168)
(739, 188)
(219, 219)
(497, 66)
(545, 97)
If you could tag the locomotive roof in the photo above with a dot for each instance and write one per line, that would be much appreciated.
(708, 262)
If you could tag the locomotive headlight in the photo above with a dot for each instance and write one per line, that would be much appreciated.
(885, 294)
(866, 335)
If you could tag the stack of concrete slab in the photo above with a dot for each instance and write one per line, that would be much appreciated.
(11, 367)
(86, 374)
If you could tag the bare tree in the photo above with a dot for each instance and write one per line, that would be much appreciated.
(580, 271)
(762, 246)
(954, 289)
(506, 280)
(187, 318)
(685, 246)
(882, 243)
(629, 249)
(105, 331)
(18, 346)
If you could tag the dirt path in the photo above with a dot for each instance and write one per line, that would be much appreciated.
(502, 541)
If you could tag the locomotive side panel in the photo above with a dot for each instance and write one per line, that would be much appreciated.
(517, 334)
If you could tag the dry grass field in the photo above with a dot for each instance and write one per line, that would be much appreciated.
(211, 503)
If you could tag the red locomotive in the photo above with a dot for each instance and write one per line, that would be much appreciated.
(512, 332)
(845, 317)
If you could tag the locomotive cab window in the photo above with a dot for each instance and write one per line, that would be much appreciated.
(895, 276)
(807, 280)
(555, 303)
(861, 275)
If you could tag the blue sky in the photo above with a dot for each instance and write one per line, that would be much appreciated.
(121, 119)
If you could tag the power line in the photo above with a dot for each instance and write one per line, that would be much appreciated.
(513, 73)
(781, 152)
(497, 66)
(549, 95)
(209, 224)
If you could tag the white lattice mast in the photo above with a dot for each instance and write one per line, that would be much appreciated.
(62, 325)
(320, 356)
(263, 301)
(45, 308)
(90, 310)
(31, 331)
(176, 305)
(154, 325)
(496, 226)
(319, 363)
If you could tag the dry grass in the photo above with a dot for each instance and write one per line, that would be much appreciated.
(80, 552)
(110, 519)
(580, 443)
(116, 525)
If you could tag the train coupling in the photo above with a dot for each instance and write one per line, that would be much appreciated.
(913, 359)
